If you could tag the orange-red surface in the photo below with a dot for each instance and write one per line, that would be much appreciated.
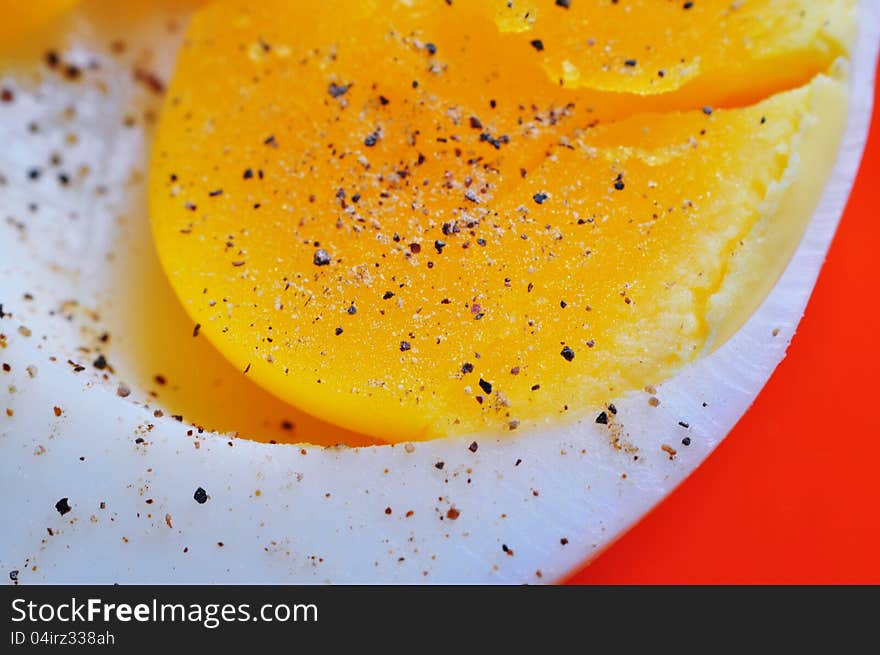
(793, 494)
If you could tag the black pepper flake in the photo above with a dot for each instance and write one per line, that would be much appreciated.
(467, 367)
(602, 419)
(200, 496)
(567, 354)
(13, 575)
(630, 62)
(100, 363)
(451, 228)
(215, 193)
(473, 447)
(321, 257)
(476, 123)
(336, 90)
(537, 44)
(383, 100)
(371, 139)
(618, 182)
(63, 506)
(351, 309)
(684, 425)
(686, 441)
(612, 408)
(540, 197)
(439, 246)
(196, 328)
(150, 80)
(485, 386)
(431, 48)
(495, 141)
(565, 4)
(415, 248)
(270, 141)
(387, 295)
(338, 331)
(687, 5)
(707, 110)
(248, 174)
(404, 346)
(439, 466)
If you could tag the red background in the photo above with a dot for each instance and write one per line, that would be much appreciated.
(792, 495)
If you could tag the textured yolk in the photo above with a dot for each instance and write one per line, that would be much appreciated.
(393, 218)
(730, 50)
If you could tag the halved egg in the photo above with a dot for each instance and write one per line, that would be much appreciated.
(130, 437)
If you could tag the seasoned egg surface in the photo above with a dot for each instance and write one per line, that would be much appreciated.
(393, 218)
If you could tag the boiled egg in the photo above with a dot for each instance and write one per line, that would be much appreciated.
(408, 292)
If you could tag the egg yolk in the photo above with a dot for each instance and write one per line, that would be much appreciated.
(21, 18)
(708, 49)
(422, 219)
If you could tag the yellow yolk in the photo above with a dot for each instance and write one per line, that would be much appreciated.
(649, 47)
(393, 218)
(20, 18)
